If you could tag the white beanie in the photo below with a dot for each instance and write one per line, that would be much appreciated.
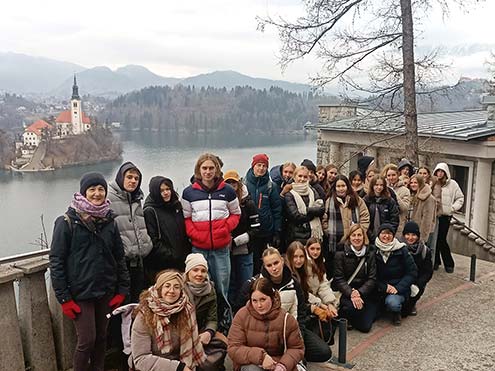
(193, 260)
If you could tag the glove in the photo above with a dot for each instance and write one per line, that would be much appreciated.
(276, 240)
(321, 313)
(116, 301)
(242, 239)
(280, 367)
(71, 309)
(311, 212)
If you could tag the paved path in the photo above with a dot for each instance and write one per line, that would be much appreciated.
(454, 329)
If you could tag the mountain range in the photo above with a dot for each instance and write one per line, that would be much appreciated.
(25, 74)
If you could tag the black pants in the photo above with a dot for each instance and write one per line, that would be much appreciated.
(138, 280)
(316, 350)
(411, 302)
(361, 319)
(443, 248)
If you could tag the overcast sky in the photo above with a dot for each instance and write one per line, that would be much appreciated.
(184, 38)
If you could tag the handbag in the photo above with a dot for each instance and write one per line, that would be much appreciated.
(216, 351)
(300, 365)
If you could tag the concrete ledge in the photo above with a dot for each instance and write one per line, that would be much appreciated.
(9, 274)
(33, 265)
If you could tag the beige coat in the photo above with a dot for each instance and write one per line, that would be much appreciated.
(404, 201)
(320, 291)
(452, 196)
(346, 213)
(423, 211)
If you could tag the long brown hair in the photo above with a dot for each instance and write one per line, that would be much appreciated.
(204, 157)
(353, 197)
(317, 264)
(178, 321)
(301, 274)
(371, 192)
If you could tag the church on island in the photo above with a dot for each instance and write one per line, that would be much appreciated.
(70, 122)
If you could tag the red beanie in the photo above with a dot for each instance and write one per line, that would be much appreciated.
(260, 158)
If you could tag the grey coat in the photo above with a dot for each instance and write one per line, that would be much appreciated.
(130, 220)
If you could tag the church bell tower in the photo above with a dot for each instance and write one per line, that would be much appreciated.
(76, 110)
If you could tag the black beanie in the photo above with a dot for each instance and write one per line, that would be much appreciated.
(309, 165)
(411, 227)
(384, 226)
(90, 180)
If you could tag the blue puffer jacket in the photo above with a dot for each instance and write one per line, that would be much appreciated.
(266, 197)
(400, 271)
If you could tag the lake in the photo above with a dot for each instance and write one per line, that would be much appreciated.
(24, 198)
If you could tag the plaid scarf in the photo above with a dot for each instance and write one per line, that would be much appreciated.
(298, 192)
(191, 349)
(335, 223)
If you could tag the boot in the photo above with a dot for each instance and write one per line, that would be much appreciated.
(396, 318)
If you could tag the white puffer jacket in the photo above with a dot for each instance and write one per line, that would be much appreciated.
(452, 196)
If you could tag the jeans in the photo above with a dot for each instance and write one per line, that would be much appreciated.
(393, 303)
(442, 245)
(219, 271)
(91, 328)
(360, 319)
(241, 271)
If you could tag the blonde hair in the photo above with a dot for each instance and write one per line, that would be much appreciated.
(388, 167)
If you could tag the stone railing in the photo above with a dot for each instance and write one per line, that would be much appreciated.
(465, 241)
(36, 336)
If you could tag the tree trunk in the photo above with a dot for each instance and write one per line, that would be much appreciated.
(410, 114)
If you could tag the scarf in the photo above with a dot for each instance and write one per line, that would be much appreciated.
(199, 290)
(386, 249)
(419, 248)
(191, 349)
(315, 223)
(359, 253)
(82, 206)
(335, 222)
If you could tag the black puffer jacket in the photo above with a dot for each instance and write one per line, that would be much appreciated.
(346, 262)
(167, 229)
(87, 264)
(400, 271)
(249, 223)
(387, 209)
(297, 225)
(422, 258)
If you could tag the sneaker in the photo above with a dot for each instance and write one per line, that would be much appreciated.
(449, 269)
(414, 311)
(396, 319)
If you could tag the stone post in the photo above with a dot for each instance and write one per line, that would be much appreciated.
(64, 333)
(11, 353)
(481, 204)
(335, 155)
(34, 316)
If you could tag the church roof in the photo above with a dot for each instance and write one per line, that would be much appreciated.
(37, 126)
(65, 116)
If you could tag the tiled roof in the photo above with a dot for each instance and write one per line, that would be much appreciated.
(37, 126)
(461, 125)
(66, 117)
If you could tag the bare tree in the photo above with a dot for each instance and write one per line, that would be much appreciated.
(351, 36)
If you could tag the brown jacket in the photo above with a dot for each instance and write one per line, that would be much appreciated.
(403, 200)
(346, 213)
(423, 212)
(252, 335)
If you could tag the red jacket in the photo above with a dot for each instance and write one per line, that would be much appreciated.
(210, 215)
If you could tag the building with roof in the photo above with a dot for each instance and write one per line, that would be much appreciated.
(34, 133)
(73, 121)
(465, 140)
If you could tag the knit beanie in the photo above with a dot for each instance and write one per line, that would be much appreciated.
(411, 227)
(386, 226)
(195, 259)
(90, 180)
(260, 158)
(309, 165)
(231, 175)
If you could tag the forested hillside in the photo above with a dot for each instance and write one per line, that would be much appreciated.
(187, 109)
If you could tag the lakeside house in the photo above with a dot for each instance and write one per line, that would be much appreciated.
(34, 133)
(465, 140)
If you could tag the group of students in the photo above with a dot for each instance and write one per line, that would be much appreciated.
(285, 251)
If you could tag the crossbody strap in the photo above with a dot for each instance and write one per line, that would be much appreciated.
(361, 262)
(285, 325)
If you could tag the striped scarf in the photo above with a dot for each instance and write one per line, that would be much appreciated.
(191, 349)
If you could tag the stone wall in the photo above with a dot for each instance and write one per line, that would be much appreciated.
(330, 113)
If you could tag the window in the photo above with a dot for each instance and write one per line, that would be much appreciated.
(75, 105)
